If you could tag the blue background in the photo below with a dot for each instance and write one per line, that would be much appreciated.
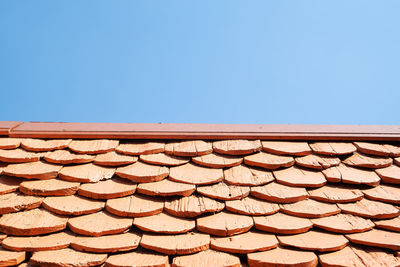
(324, 62)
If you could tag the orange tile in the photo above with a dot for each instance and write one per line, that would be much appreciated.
(333, 148)
(33, 170)
(223, 191)
(391, 224)
(112, 188)
(136, 149)
(93, 146)
(72, 205)
(193, 174)
(10, 258)
(39, 145)
(268, 161)
(189, 148)
(164, 223)
(138, 258)
(9, 143)
(142, 172)
(343, 223)
(135, 206)
(352, 175)
(14, 202)
(286, 148)
(52, 187)
(114, 159)
(300, 177)
(390, 174)
(372, 149)
(166, 187)
(207, 258)
(336, 194)
(66, 157)
(18, 156)
(377, 238)
(385, 193)
(86, 173)
(282, 257)
(364, 161)
(224, 224)
(8, 184)
(164, 159)
(217, 161)
(317, 162)
(251, 206)
(106, 244)
(310, 209)
(247, 176)
(370, 209)
(192, 206)
(237, 147)
(281, 223)
(279, 193)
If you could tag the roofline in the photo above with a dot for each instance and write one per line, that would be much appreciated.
(199, 131)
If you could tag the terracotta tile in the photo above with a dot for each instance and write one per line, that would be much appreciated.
(251, 206)
(32, 222)
(193, 174)
(394, 150)
(2, 236)
(315, 240)
(66, 157)
(189, 148)
(217, 161)
(166, 187)
(377, 238)
(333, 148)
(98, 224)
(279, 193)
(286, 148)
(385, 193)
(86, 173)
(237, 147)
(142, 173)
(299, 177)
(310, 209)
(114, 159)
(352, 175)
(336, 194)
(107, 243)
(39, 145)
(282, 257)
(247, 176)
(364, 161)
(9, 143)
(222, 191)
(207, 258)
(356, 257)
(135, 206)
(224, 224)
(14, 202)
(317, 162)
(136, 149)
(281, 223)
(93, 146)
(391, 224)
(33, 170)
(72, 205)
(53, 187)
(67, 257)
(370, 209)
(11, 258)
(390, 174)
(343, 223)
(192, 206)
(332, 174)
(138, 259)
(8, 184)
(112, 188)
(18, 156)
(372, 149)
(164, 159)
(176, 244)
(164, 223)
(245, 243)
(268, 161)
(38, 243)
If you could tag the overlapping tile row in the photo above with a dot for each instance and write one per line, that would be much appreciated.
(199, 203)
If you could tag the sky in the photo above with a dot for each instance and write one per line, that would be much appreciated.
(225, 61)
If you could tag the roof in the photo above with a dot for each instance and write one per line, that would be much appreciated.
(76, 194)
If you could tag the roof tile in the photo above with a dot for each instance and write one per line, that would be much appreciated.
(224, 224)
(370, 209)
(360, 160)
(193, 174)
(279, 193)
(394, 150)
(317, 162)
(377, 238)
(52, 187)
(245, 243)
(99, 224)
(72, 205)
(142, 172)
(10, 258)
(164, 159)
(38, 243)
(164, 223)
(86, 173)
(9, 143)
(237, 147)
(336, 194)
(106, 244)
(8, 184)
(282, 257)
(32, 222)
(18, 156)
(222, 191)
(286, 148)
(343, 223)
(138, 259)
(217, 161)
(247, 176)
(372, 149)
(114, 159)
(33, 170)
(207, 258)
(39, 145)
(192, 206)
(14, 202)
(166, 187)
(352, 175)
(332, 174)
(112, 188)
(390, 174)
(66, 157)
(299, 177)
(251, 206)
(141, 148)
(268, 161)
(281, 223)
(310, 209)
(93, 146)
(333, 148)
(189, 148)
(135, 206)
(181, 244)
(67, 257)
(385, 193)
(391, 224)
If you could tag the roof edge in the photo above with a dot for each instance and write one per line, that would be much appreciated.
(200, 131)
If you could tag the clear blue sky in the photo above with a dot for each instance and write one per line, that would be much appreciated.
(319, 62)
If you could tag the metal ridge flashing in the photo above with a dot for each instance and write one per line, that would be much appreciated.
(189, 131)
